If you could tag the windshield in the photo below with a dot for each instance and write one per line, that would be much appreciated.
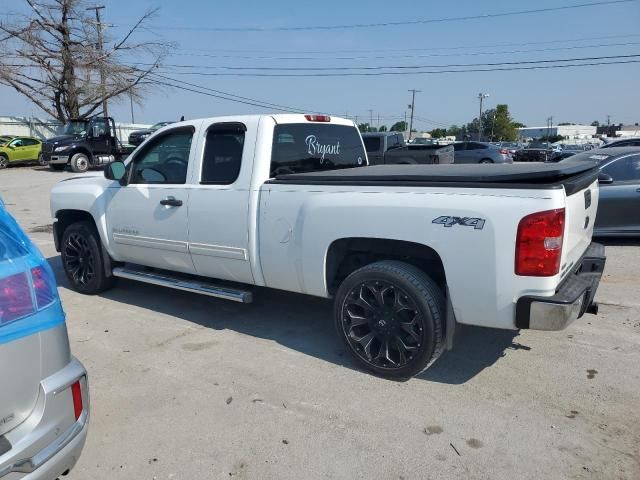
(75, 128)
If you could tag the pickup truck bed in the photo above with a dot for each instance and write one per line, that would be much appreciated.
(571, 176)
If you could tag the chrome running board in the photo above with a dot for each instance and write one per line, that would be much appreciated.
(183, 283)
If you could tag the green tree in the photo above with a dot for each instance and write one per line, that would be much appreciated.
(438, 132)
(454, 130)
(364, 128)
(503, 127)
(595, 123)
(398, 127)
(383, 128)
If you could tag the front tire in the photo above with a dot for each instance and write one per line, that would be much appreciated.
(486, 160)
(82, 260)
(4, 162)
(79, 163)
(390, 315)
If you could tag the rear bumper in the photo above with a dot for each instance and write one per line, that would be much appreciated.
(573, 298)
(48, 444)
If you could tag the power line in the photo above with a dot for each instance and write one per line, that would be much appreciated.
(322, 71)
(396, 56)
(506, 69)
(399, 67)
(228, 96)
(398, 23)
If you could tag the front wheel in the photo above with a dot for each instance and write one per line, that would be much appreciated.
(79, 163)
(486, 160)
(82, 259)
(41, 161)
(4, 162)
(390, 316)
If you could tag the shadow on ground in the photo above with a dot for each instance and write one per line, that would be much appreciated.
(302, 323)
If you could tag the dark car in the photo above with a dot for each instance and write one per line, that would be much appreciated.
(138, 136)
(533, 155)
(619, 206)
(389, 148)
(480, 152)
(627, 142)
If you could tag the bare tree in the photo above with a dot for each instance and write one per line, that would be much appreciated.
(55, 57)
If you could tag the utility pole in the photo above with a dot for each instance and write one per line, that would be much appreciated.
(549, 128)
(103, 80)
(378, 125)
(608, 120)
(481, 97)
(131, 101)
(370, 119)
(412, 107)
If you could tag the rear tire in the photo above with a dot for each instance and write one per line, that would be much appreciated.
(56, 167)
(79, 163)
(4, 162)
(82, 259)
(486, 160)
(390, 315)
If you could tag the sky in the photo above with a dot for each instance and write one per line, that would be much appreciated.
(259, 35)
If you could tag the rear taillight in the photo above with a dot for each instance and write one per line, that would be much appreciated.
(539, 244)
(504, 151)
(15, 298)
(76, 393)
(318, 118)
(44, 286)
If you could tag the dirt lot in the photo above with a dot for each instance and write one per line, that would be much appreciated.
(189, 387)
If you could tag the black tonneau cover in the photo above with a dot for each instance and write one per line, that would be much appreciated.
(572, 175)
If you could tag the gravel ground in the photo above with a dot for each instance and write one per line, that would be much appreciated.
(189, 387)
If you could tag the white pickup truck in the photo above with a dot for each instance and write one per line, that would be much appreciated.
(217, 205)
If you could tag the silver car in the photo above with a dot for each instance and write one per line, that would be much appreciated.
(44, 400)
(480, 152)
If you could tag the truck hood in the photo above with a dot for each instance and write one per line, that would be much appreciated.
(62, 139)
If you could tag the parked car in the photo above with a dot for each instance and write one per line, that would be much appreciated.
(512, 147)
(480, 152)
(19, 149)
(44, 400)
(534, 155)
(138, 136)
(85, 143)
(619, 205)
(389, 148)
(627, 142)
(558, 156)
(404, 250)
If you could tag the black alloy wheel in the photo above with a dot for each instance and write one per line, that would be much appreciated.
(382, 324)
(79, 259)
(390, 315)
(82, 259)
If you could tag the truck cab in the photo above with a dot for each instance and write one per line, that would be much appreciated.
(84, 143)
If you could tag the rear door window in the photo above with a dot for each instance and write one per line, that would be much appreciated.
(223, 154)
(302, 148)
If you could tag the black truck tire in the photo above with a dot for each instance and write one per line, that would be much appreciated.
(82, 260)
(390, 315)
(79, 163)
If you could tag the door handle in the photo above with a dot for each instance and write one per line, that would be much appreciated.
(171, 202)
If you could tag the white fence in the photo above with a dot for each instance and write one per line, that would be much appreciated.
(43, 129)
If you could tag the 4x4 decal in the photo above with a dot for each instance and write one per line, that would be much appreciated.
(448, 221)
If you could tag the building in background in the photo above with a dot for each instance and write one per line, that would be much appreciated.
(569, 132)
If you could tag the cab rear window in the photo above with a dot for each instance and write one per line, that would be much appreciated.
(302, 148)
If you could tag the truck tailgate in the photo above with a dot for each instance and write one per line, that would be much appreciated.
(580, 216)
